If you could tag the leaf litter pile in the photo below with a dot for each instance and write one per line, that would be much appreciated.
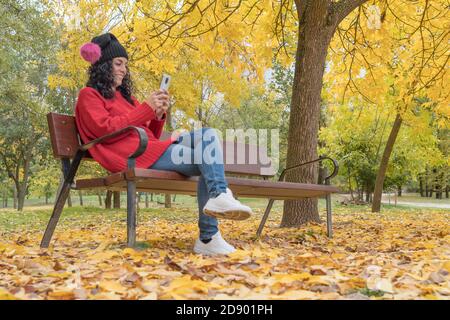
(398, 254)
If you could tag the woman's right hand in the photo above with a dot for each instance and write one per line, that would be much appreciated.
(158, 99)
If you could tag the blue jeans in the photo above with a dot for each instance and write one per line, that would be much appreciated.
(191, 155)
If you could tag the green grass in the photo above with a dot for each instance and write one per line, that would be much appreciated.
(184, 209)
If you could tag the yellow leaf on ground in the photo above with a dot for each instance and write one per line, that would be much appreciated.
(5, 295)
(112, 286)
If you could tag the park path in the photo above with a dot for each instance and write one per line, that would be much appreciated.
(419, 204)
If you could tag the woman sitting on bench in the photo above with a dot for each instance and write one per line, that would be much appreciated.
(106, 104)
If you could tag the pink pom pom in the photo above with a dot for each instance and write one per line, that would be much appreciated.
(91, 52)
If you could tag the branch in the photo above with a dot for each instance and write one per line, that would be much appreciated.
(344, 7)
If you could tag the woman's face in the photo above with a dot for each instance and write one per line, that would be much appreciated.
(119, 70)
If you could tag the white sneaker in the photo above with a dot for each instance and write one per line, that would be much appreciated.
(216, 246)
(227, 207)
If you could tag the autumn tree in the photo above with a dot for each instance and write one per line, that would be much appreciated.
(27, 42)
(227, 41)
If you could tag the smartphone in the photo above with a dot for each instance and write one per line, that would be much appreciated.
(165, 82)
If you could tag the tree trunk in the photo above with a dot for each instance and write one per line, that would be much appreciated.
(367, 193)
(108, 199)
(46, 199)
(80, 195)
(446, 192)
(399, 191)
(14, 197)
(69, 200)
(146, 200)
(421, 185)
(21, 197)
(439, 188)
(5, 199)
(99, 199)
(116, 197)
(314, 35)
(168, 201)
(376, 204)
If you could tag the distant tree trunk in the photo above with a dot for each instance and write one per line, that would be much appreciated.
(446, 192)
(350, 183)
(151, 197)
(322, 173)
(99, 198)
(168, 201)
(46, 198)
(80, 195)
(381, 174)
(399, 191)
(367, 193)
(69, 200)
(440, 185)
(14, 198)
(108, 199)
(5, 199)
(421, 185)
(116, 197)
(146, 199)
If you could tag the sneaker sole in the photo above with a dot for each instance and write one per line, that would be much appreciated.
(210, 253)
(231, 215)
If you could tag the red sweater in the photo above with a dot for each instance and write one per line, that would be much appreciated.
(96, 116)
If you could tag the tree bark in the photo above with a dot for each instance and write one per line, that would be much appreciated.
(14, 197)
(316, 27)
(399, 191)
(376, 204)
(80, 195)
(108, 199)
(146, 199)
(99, 198)
(69, 200)
(116, 197)
(168, 201)
(421, 185)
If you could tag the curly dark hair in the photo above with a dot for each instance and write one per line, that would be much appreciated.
(101, 79)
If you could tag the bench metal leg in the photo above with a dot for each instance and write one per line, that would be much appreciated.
(59, 205)
(61, 199)
(264, 218)
(131, 213)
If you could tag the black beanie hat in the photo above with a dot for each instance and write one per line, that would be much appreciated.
(102, 48)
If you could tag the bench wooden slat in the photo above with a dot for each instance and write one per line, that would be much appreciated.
(172, 182)
(65, 142)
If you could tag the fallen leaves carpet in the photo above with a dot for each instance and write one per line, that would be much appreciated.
(398, 254)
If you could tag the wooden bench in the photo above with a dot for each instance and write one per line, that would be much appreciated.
(67, 147)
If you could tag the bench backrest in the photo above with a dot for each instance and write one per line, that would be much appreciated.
(65, 142)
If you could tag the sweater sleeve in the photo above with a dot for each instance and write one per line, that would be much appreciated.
(91, 110)
(156, 126)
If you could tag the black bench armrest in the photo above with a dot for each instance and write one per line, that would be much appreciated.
(320, 159)
(143, 141)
